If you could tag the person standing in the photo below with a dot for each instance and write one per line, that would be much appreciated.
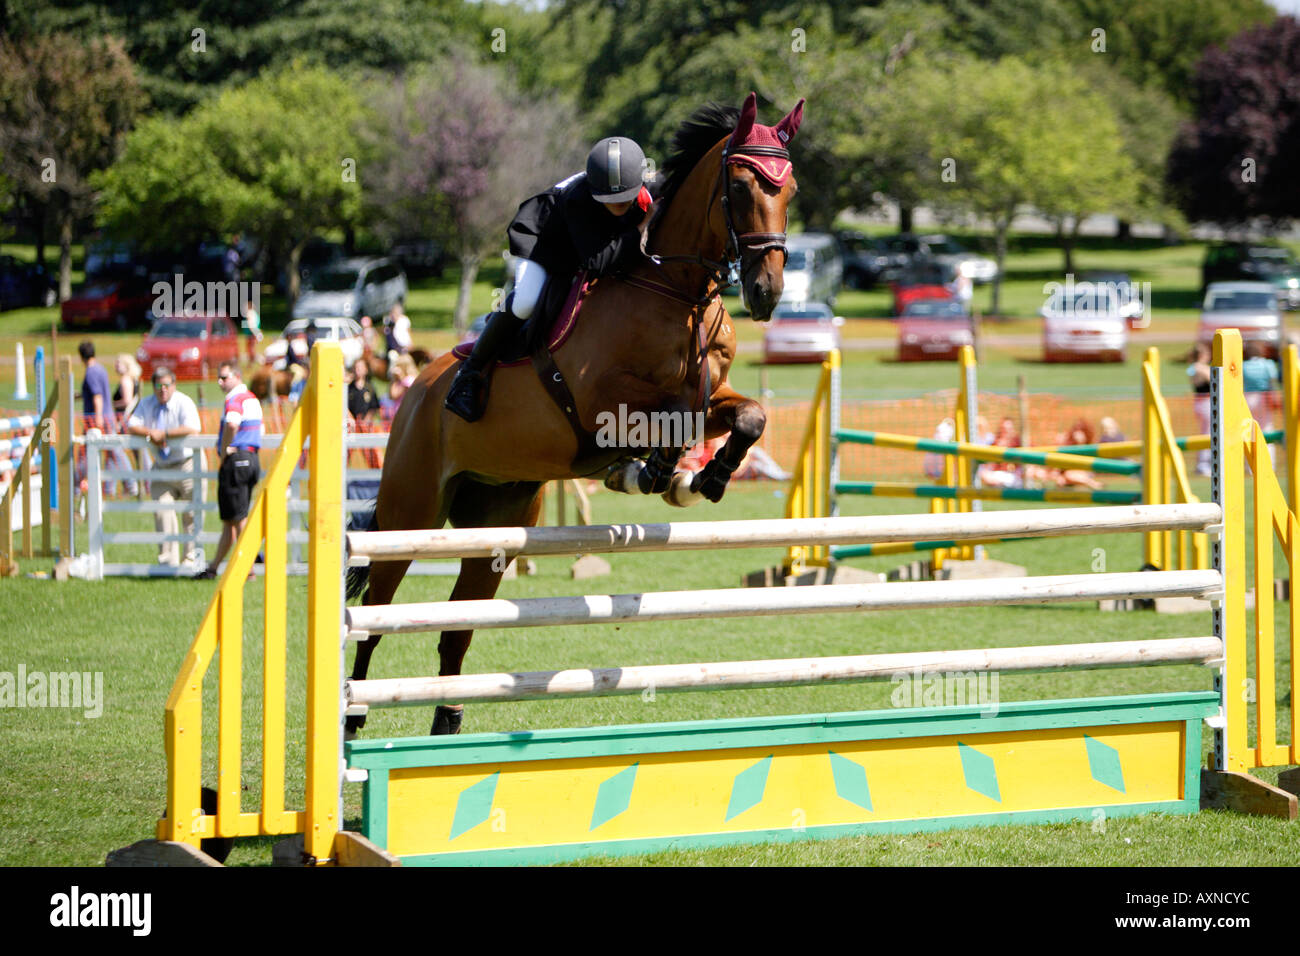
(362, 400)
(1259, 380)
(1199, 374)
(164, 417)
(238, 443)
(397, 328)
(97, 410)
(253, 329)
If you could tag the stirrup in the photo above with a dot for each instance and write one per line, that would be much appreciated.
(467, 396)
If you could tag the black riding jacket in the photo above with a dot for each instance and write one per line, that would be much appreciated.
(564, 230)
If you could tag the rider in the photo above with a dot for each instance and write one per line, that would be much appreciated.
(592, 221)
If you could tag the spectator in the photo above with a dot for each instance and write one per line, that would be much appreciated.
(238, 442)
(397, 330)
(297, 352)
(163, 417)
(1110, 431)
(1199, 375)
(362, 400)
(231, 261)
(1002, 474)
(253, 329)
(932, 464)
(368, 334)
(1259, 379)
(1080, 433)
(97, 411)
(127, 392)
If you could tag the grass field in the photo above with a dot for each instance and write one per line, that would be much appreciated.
(75, 786)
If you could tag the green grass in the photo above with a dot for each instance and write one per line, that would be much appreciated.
(75, 787)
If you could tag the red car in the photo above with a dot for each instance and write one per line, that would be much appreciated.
(932, 329)
(903, 294)
(192, 346)
(108, 304)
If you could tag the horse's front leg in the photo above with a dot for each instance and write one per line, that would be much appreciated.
(729, 411)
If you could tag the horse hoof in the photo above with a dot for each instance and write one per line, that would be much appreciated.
(446, 721)
(679, 493)
(625, 477)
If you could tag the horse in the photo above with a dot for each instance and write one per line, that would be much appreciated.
(656, 340)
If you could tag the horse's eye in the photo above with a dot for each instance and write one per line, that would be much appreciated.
(739, 188)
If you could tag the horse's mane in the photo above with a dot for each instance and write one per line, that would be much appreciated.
(693, 139)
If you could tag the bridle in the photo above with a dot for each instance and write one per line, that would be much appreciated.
(756, 244)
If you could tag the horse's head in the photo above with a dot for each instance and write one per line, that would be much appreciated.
(757, 185)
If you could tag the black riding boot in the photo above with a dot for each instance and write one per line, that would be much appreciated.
(468, 394)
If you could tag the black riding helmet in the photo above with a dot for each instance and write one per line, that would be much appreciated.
(614, 168)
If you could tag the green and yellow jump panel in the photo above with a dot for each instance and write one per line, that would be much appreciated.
(552, 795)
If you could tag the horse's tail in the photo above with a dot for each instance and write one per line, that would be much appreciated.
(359, 577)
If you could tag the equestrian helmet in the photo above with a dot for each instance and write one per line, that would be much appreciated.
(614, 168)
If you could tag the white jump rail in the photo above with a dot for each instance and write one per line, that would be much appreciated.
(616, 681)
(755, 602)
(783, 532)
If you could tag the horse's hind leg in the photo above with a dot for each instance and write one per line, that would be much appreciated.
(384, 578)
(481, 506)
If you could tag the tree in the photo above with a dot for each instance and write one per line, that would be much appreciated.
(186, 49)
(996, 137)
(1236, 160)
(455, 152)
(277, 157)
(65, 108)
(1158, 42)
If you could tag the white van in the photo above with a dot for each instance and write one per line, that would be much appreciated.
(814, 269)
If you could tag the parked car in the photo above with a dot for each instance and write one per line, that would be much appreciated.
(419, 257)
(801, 332)
(352, 288)
(923, 279)
(868, 262)
(117, 304)
(192, 346)
(25, 283)
(328, 329)
(813, 270)
(1083, 326)
(945, 250)
(1127, 294)
(1254, 262)
(1251, 307)
(933, 329)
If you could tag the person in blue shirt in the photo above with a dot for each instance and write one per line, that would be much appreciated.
(97, 410)
(1259, 380)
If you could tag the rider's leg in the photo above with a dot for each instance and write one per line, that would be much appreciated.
(467, 396)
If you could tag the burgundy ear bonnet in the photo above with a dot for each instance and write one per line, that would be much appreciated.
(771, 141)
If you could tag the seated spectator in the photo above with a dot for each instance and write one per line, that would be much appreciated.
(1002, 474)
(1080, 433)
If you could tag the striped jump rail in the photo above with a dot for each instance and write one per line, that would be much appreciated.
(988, 452)
(902, 489)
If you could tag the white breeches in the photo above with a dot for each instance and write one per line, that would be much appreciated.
(530, 280)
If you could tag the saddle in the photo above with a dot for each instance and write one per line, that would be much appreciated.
(550, 326)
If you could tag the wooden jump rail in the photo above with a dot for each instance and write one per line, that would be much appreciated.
(616, 681)
(638, 788)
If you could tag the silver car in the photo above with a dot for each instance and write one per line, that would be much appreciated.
(1087, 324)
(1249, 306)
(352, 288)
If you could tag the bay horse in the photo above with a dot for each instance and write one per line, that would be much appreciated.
(657, 340)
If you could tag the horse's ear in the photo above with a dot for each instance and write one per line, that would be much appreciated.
(790, 125)
(748, 114)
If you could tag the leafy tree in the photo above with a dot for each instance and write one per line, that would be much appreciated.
(992, 138)
(276, 157)
(65, 108)
(1158, 42)
(241, 38)
(1237, 160)
(455, 152)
